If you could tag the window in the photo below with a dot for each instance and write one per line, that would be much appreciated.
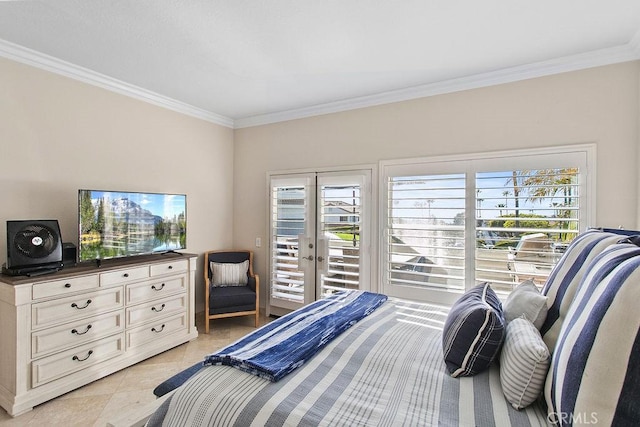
(426, 230)
(453, 222)
(529, 215)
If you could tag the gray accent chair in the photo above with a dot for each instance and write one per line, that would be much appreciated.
(230, 300)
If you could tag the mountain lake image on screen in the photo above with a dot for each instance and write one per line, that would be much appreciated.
(116, 224)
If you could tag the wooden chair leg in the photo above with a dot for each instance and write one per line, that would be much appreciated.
(206, 323)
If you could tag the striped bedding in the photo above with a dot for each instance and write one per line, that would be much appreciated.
(386, 370)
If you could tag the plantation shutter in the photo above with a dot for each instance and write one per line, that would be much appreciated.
(289, 214)
(339, 241)
(502, 218)
(531, 215)
(425, 241)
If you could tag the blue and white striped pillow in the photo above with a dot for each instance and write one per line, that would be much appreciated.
(563, 281)
(473, 332)
(524, 362)
(594, 375)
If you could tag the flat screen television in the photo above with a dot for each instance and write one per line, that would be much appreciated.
(115, 224)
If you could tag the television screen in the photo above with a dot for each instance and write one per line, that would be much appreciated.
(118, 224)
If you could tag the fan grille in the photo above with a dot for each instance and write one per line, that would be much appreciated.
(36, 241)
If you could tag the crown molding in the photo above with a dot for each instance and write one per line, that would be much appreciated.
(624, 53)
(49, 63)
(635, 43)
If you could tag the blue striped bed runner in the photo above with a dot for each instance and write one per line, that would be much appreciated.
(283, 345)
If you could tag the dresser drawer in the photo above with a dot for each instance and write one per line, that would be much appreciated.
(50, 313)
(141, 292)
(124, 275)
(64, 286)
(175, 266)
(156, 331)
(159, 309)
(76, 359)
(75, 333)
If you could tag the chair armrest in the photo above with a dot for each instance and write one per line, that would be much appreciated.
(252, 280)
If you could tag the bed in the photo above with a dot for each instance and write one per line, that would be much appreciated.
(387, 369)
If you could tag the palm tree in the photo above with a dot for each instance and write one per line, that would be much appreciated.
(544, 184)
(547, 183)
(506, 195)
(516, 194)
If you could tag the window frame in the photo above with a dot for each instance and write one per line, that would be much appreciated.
(579, 155)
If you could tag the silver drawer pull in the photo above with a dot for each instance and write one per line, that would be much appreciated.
(157, 310)
(157, 289)
(82, 360)
(75, 331)
(158, 330)
(74, 305)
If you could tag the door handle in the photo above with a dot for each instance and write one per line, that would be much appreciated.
(310, 257)
(320, 259)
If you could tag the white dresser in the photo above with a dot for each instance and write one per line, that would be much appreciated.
(63, 330)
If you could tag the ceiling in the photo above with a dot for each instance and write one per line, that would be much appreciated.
(241, 62)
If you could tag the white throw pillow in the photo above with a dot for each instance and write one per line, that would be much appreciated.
(229, 274)
(526, 300)
(524, 363)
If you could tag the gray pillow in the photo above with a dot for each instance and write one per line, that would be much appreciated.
(230, 274)
(524, 362)
(526, 300)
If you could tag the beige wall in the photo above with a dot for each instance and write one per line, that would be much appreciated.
(596, 105)
(58, 135)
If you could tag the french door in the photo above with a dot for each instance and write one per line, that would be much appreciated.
(319, 236)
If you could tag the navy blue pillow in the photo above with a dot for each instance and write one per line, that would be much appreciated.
(473, 332)
(177, 380)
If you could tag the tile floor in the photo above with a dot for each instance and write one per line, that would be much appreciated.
(96, 403)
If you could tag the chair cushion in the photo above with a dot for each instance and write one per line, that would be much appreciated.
(526, 300)
(228, 299)
(473, 332)
(524, 362)
(595, 368)
(229, 274)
